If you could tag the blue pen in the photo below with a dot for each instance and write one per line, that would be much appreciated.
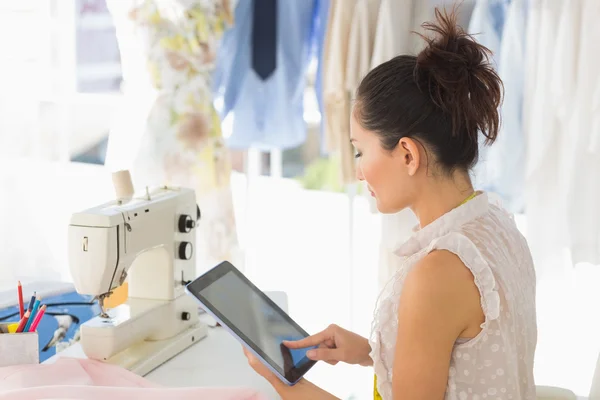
(30, 306)
(36, 305)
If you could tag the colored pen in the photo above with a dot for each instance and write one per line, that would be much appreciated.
(23, 321)
(21, 307)
(32, 316)
(37, 319)
(30, 306)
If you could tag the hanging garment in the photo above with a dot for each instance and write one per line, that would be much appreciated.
(360, 52)
(487, 23)
(543, 131)
(595, 133)
(581, 167)
(395, 21)
(487, 240)
(336, 96)
(180, 141)
(506, 158)
(268, 113)
(358, 63)
(361, 42)
(320, 29)
(399, 21)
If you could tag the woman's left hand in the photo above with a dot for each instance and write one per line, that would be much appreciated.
(261, 369)
(302, 390)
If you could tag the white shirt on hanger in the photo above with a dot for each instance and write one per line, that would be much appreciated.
(542, 128)
(361, 43)
(581, 168)
(335, 95)
(394, 25)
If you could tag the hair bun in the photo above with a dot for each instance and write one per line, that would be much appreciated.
(460, 78)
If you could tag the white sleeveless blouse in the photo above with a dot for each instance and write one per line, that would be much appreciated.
(498, 363)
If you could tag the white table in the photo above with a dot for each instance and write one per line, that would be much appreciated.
(215, 361)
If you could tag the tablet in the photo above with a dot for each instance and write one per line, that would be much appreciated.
(254, 319)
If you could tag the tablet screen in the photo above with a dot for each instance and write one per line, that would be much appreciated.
(255, 318)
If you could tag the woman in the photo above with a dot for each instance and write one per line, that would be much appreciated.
(457, 321)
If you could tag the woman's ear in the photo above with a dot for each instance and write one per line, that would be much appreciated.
(410, 156)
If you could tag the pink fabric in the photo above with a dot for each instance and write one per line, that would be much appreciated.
(71, 378)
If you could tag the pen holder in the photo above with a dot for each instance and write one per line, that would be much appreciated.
(18, 348)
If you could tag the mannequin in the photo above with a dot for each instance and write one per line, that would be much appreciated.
(169, 132)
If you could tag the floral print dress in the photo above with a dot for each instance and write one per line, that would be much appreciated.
(182, 143)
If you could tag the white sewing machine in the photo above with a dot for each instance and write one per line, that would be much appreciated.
(149, 239)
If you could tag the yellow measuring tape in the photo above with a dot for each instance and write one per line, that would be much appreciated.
(376, 395)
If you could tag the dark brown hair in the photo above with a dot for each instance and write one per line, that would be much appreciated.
(443, 97)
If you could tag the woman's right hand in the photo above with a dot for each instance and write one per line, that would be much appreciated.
(335, 344)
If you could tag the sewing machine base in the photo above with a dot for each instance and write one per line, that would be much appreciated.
(145, 356)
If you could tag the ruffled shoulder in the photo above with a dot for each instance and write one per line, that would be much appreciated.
(465, 249)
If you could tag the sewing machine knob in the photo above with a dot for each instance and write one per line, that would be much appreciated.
(186, 224)
(186, 316)
(185, 250)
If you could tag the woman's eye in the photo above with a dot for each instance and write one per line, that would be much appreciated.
(358, 154)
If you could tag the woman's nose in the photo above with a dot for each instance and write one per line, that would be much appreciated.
(359, 174)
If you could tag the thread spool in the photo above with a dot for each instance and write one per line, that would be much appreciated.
(123, 185)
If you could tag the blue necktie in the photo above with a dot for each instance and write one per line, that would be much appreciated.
(264, 37)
